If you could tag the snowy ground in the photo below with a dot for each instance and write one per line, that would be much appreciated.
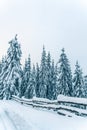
(14, 116)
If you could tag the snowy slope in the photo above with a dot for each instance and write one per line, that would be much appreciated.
(28, 118)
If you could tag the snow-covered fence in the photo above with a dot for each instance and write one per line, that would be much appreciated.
(72, 105)
(35, 100)
(63, 105)
(38, 102)
(72, 101)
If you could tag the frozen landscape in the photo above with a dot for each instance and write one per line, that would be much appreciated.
(14, 116)
(41, 97)
(43, 90)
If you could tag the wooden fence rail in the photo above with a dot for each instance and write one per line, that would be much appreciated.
(69, 106)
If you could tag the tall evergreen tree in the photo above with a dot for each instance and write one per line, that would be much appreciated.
(78, 81)
(12, 75)
(26, 75)
(2, 76)
(30, 91)
(55, 82)
(64, 76)
(43, 75)
(54, 87)
(84, 93)
(48, 92)
(37, 88)
(33, 81)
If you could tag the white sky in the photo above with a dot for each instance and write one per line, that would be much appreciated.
(54, 23)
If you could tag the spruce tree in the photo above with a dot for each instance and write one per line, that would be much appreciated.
(84, 93)
(64, 75)
(37, 88)
(26, 75)
(30, 91)
(48, 92)
(33, 81)
(3, 75)
(11, 73)
(43, 75)
(53, 90)
(78, 81)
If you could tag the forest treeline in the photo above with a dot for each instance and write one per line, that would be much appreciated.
(44, 80)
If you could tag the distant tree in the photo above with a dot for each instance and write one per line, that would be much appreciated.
(48, 84)
(54, 85)
(84, 94)
(65, 75)
(33, 81)
(37, 88)
(78, 81)
(43, 75)
(26, 75)
(30, 91)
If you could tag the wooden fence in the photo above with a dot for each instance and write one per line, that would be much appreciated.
(67, 106)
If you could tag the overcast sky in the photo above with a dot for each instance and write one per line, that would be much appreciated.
(54, 23)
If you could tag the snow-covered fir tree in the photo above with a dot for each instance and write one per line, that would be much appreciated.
(30, 91)
(3, 75)
(33, 81)
(64, 75)
(37, 88)
(48, 92)
(43, 75)
(78, 81)
(84, 93)
(54, 85)
(11, 72)
(26, 75)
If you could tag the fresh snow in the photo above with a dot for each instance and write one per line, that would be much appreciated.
(14, 116)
